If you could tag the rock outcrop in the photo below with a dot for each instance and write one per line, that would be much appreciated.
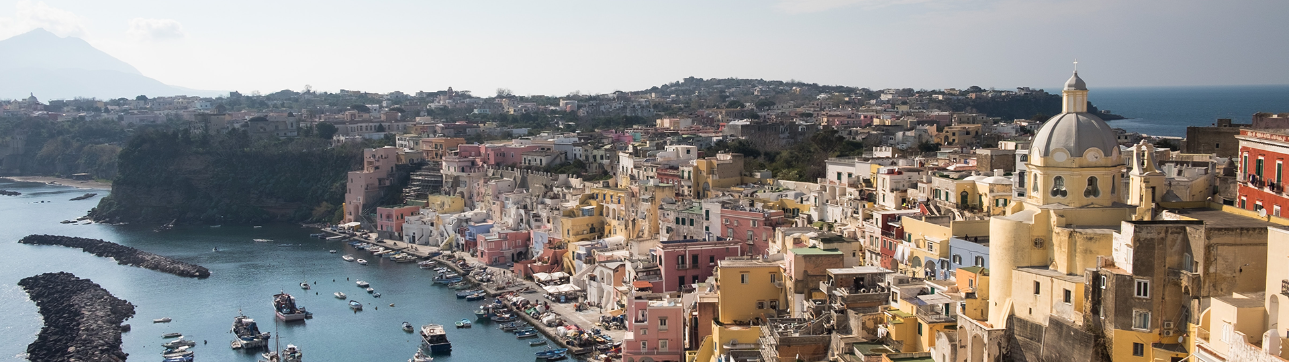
(123, 255)
(82, 320)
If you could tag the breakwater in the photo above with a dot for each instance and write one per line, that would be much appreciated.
(123, 255)
(82, 320)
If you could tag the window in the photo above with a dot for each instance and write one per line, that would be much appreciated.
(662, 323)
(1258, 169)
(1244, 164)
(980, 261)
(919, 328)
(682, 280)
(1103, 282)
(680, 261)
(711, 259)
(1142, 289)
(1138, 349)
(1069, 297)
(760, 304)
(727, 221)
(1279, 167)
(1058, 187)
(1140, 320)
(1034, 185)
(743, 277)
(1114, 183)
(774, 304)
(1037, 288)
(662, 345)
(693, 259)
(1093, 190)
(643, 331)
(957, 259)
(753, 223)
(644, 345)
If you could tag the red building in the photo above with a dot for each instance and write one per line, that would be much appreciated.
(755, 227)
(685, 262)
(501, 247)
(1261, 162)
(389, 220)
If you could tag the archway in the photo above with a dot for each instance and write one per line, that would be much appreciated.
(977, 348)
(929, 271)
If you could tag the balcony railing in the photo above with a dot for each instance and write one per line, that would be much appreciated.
(1284, 286)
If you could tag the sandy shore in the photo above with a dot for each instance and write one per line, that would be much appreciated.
(91, 184)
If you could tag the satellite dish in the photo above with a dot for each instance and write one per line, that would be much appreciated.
(1262, 213)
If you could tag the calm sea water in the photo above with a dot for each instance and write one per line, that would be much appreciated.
(1168, 111)
(244, 276)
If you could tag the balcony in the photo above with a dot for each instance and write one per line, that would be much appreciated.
(1284, 286)
(935, 314)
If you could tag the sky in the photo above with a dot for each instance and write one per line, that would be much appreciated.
(564, 46)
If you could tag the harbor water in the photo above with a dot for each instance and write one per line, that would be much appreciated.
(244, 276)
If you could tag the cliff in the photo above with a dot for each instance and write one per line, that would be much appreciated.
(226, 179)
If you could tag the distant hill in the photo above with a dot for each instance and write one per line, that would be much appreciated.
(54, 67)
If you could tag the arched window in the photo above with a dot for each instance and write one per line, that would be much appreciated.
(1114, 183)
(1058, 187)
(980, 261)
(1093, 190)
(963, 200)
(1034, 185)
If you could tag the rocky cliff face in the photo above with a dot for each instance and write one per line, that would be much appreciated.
(225, 180)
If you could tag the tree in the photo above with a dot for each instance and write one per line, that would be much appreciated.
(764, 104)
(398, 109)
(929, 147)
(503, 93)
(141, 98)
(326, 130)
(360, 108)
(734, 104)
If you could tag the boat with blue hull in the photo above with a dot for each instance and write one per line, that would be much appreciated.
(434, 338)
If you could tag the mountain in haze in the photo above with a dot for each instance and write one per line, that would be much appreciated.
(52, 67)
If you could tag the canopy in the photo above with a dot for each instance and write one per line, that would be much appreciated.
(541, 276)
(558, 275)
(350, 224)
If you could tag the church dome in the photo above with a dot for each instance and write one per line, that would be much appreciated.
(1076, 133)
(1075, 83)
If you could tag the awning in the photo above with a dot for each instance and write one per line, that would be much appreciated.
(558, 275)
(350, 224)
(641, 284)
(541, 277)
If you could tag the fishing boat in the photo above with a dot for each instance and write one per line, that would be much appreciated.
(290, 354)
(407, 327)
(175, 350)
(355, 305)
(172, 335)
(304, 285)
(248, 334)
(504, 317)
(420, 357)
(161, 320)
(370, 290)
(348, 258)
(480, 295)
(339, 295)
(286, 309)
(375, 295)
(362, 284)
(481, 313)
(464, 293)
(552, 353)
(464, 323)
(177, 356)
(362, 262)
(509, 326)
(435, 339)
(179, 343)
(538, 342)
(427, 264)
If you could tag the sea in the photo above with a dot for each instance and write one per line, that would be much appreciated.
(1167, 111)
(244, 277)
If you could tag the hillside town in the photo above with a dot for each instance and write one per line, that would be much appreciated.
(771, 221)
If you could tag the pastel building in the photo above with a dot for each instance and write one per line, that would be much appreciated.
(363, 188)
(655, 329)
(390, 219)
(501, 247)
(691, 261)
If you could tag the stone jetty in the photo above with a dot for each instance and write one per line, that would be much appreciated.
(123, 255)
(82, 320)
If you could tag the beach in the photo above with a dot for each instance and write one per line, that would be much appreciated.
(86, 184)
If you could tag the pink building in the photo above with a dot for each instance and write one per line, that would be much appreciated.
(363, 188)
(655, 329)
(685, 262)
(501, 247)
(754, 227)
(389, 220)
(508, 154)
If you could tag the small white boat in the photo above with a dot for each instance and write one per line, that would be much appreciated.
(179, 343)
(362, 284)
(362, 262)
(262, 240)
(172, 335)
(370, 290)
(333, 251)
(161, 320)
(421, 357)
(339, 295)
(348, 258)
(256, 227)
(304, 285)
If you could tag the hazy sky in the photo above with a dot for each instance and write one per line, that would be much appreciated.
(557, 47)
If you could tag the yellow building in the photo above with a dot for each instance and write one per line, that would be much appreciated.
(723, 171)
(929, 258)
(748, 290)
(1250, 326)
(445, 204)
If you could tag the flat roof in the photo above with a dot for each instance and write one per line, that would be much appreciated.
(1221, 219)
(814, 251)
(1044, 271)
(859, 270)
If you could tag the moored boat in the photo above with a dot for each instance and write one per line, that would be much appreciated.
(427, 264)
(362, 284)
(481, 313)
(420, 357)
(362, 262)
(181, 342)
(480, 295)
(304, 285)
(552, 353)
(536, 342)
(172, 335)
(407, 327)
(355, 305)
(161, 320)
(248, 334)
(370, 290)
(464, 323)
(339, 295)
(435, 339)
(286, 309)
(348, 258)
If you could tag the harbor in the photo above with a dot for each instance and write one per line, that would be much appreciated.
(245, 275)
